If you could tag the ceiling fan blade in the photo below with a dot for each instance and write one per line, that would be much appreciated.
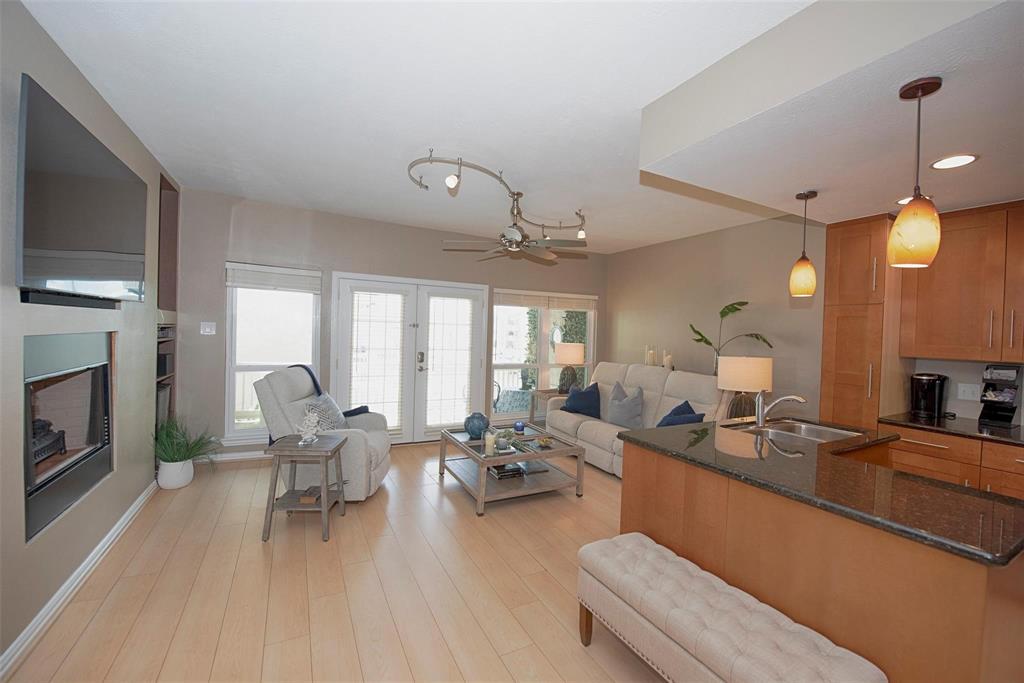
(537, 252)
(494, 253)
(558, 243)
(466, 243)
(572, 254)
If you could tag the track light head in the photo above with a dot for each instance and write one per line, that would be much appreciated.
(581, 234)
(452, 181)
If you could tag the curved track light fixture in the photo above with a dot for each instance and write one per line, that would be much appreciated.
(454, 180)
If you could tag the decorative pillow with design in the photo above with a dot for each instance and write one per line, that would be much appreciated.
(327, 412)
(625, 410)
(584, 401)
(671, 420)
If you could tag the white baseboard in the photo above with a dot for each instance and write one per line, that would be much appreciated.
(12, 657)
(239, 457)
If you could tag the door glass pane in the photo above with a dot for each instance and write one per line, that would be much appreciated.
(449, 360)
(378, 323)
(247, 413)
(273, 327)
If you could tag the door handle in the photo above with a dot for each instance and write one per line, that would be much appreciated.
(871, 377)
(991, 324)
(421, 368)
(874, 273)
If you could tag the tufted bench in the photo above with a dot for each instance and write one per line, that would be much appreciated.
(691, 626)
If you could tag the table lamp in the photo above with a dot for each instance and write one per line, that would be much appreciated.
(746, 375)
(568, 354)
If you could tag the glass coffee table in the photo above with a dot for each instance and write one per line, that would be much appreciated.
(473, 469)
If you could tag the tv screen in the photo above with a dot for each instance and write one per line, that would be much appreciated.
(82, 215)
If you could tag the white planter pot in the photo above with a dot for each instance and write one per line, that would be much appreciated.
(174, 475)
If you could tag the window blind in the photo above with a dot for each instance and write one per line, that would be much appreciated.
(561, 302)
(252, 276)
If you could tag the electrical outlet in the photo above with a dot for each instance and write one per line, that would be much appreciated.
(207, 328)
(968, 392)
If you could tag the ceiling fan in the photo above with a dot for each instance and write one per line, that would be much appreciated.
(513, 239)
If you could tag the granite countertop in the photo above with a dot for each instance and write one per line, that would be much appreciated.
(959, 426)
(984, 527)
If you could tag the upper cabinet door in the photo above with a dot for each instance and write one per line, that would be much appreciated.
(1013, 308)
(851, 358)
(855, 261)
(954, 308)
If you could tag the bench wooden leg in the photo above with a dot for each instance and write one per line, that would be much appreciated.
(586, 625)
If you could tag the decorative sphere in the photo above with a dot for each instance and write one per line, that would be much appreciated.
(519, 427)
(476, 424)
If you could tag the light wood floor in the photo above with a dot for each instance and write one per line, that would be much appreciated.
(411, 585)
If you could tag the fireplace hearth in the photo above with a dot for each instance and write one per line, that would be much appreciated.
(67, 422)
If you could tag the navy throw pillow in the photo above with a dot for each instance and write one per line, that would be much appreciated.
(683, 408)
(584, 401)
(671, 420)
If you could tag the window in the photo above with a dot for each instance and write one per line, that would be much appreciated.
(528, 329)
(273, 322)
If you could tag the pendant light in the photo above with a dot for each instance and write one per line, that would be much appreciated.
(915, 235)
(803, 279)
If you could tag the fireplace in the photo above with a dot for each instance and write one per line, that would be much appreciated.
(67, 422)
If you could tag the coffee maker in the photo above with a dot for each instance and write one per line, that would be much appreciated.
(927, 395)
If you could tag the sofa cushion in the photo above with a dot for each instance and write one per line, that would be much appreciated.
(671, 420)
(567, 423)
(652, 379)
(625, 409)
(732, 633)
(600, 434)
(584, 401)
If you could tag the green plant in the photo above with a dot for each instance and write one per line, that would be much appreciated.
(727, 310)
(506, 434)
(173, 443)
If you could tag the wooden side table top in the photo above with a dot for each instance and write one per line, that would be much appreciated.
(324, 446)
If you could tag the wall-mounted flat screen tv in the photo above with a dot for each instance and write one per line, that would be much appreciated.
(82, 211)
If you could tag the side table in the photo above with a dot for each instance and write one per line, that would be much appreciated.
(544, 394)
(321, 451)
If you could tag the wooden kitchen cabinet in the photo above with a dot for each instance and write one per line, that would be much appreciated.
(954, 308)
(855, 254)
(999, 456)
(851, 358)
(936, 468)
(1013, 298)
(1004, 483)
(944, 446)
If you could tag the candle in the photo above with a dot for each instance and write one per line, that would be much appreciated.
(489, 443)
(650, 356)
(667, 361)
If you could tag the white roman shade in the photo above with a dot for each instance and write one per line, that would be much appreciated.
(564, 302)
(252, 276)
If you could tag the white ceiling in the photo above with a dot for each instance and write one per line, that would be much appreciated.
(322, 105)
(852, 139)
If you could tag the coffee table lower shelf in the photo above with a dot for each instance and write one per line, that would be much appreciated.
(467, 473)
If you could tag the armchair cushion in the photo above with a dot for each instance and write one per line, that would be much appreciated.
(328, 414)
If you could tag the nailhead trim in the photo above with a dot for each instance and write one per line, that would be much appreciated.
(630, 645)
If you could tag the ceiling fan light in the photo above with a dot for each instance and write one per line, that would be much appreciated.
(915, 235)
(452, 181)
(581, 234)
(803, 279)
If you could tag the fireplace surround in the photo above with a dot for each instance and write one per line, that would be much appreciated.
(67, 422)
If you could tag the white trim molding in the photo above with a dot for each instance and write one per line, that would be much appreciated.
(14, 655)
(242, 456)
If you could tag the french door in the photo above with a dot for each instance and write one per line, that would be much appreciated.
(412, 350)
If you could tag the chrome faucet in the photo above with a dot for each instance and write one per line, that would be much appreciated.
(761, 410)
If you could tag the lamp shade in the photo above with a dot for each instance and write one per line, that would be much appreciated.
(744, 373)
(803, 279)
(569, 353)
(914, 237)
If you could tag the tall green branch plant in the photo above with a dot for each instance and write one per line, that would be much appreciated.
(727, 310)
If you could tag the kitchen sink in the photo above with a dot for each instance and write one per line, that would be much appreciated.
(794, 428)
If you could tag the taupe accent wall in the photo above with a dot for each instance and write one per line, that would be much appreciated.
(655, 292)
(216, 228)
(30, 573)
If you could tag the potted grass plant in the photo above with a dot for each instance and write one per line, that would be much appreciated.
(176, 450)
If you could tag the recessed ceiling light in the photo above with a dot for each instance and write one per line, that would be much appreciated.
(955, 161)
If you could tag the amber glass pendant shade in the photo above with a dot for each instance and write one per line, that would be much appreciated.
(803, 280)
(915, 235)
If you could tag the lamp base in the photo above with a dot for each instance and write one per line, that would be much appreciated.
(742, 405)
(567, 379)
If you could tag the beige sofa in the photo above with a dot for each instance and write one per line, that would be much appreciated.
(663, 391)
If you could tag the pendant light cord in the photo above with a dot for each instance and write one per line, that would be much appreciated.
(917, 167)
(803, 249)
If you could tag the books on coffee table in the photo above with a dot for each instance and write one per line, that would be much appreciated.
(518, 469)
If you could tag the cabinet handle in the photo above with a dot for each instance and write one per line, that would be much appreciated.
(874, 273)
(991, 324)
(988, 488)
(1000, 548)
(1020, 460)
(1013, 314)
(967, 482)
(925, 443)
(981, 527)
(871, 377)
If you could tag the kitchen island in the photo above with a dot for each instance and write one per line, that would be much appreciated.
(922, 578)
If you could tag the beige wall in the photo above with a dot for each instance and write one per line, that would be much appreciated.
(30, 573)
(216, 228)
(655, 292)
